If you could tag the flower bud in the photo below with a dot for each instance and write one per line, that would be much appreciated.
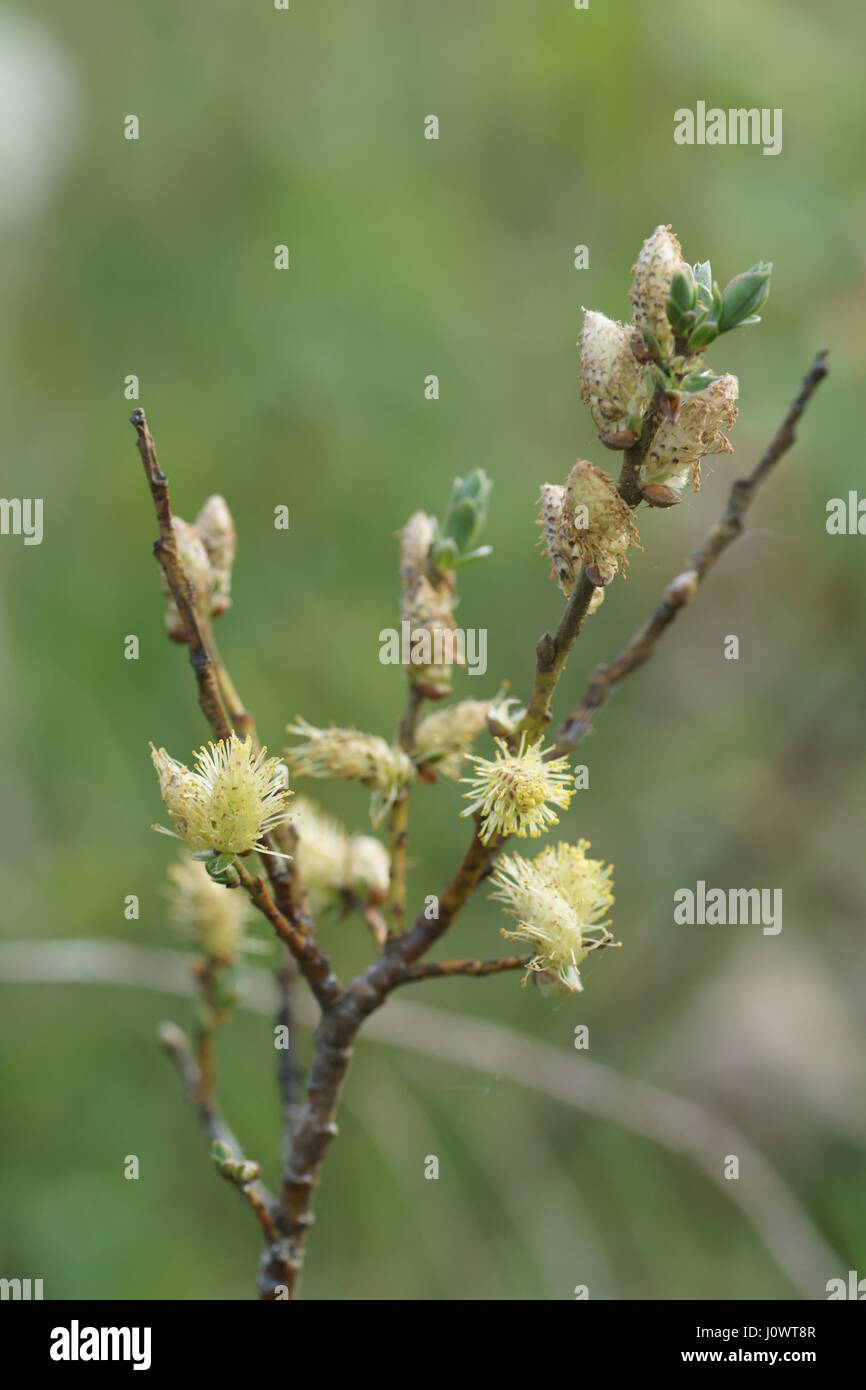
(604, 528)
(354, 756)
(216, 529)
(194, 559)
(682, 589)
(427, 609)
(674, 457)
(657, 495)
(369, 866)
(321, 853)
(331, 863)
(443, 738)
(428, 597)
(182, 798)
(416, 544)
(612, 382)
(558, 538)
(659, 261)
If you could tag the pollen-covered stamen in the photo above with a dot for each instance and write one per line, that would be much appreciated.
(231, 799)
(357, 757)
(512, 791)
(560, 900)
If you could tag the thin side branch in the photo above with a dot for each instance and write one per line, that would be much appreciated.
(175, 1044)
(607, 676)
(168, 556)
(312, 962)
(398, 823)
(681, 1126)
(425, 933)
(289, 1078)
(439, 969)
(628, 483)
(551, 653)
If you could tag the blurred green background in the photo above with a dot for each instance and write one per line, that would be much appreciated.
(305, 388)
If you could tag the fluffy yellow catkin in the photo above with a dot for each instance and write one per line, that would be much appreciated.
(512, 790)
(353, 756)
(229, 800)
(560, 900)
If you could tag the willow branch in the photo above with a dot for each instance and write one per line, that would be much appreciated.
(224, 709)
(175, 1044)
(313, 964)
(398, 823)
(398, 847)
(425, 932)
(439, 969)
(242, 720)
(206, 972)
(218, 697)
(289, 1078)
(168, 556)
(551, 653)
(681, 1126)
(628, 483)
(608, 675)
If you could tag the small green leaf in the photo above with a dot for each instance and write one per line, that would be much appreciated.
(703, 276)
(698, 381)
(744, 296)
(683, 290)
(471, 556)
(463, 523)
(706, 332)
(445, 554)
